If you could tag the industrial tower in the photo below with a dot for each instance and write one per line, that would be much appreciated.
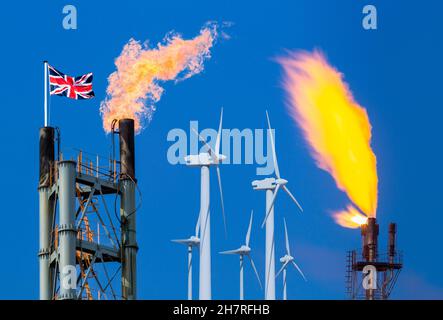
(384, 267)
(85, 245)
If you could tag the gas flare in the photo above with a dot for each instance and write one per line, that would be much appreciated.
(336, 128)
(350, 218)
(135, 87)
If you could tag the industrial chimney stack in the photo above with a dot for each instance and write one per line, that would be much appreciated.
(127, 208)
(77, 231)
(391, 242)
(369, 232)
(46, 210)
(384, 267)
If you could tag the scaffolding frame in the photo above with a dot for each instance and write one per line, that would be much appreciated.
(94, 249)
(388, 269)
(82, 246)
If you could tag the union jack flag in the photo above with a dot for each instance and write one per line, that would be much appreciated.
(71, 87)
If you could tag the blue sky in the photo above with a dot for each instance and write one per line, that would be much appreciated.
(394, 72)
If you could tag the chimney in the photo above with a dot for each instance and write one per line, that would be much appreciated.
(127, 187)
(369, 232)
(46, 212)
(392, 242)
(127, 153)
(46, 155)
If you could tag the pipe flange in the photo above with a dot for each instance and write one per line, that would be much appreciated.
(135, 246)
(70, 227)
(44, 252)
(67, 296)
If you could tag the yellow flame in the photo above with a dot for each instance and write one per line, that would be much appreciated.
(336, 127)
(140, 69)
(350, 218)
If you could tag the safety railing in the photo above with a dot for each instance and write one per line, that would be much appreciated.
(97, 166)
(385, 256)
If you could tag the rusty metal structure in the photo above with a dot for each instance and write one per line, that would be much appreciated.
(372, 275)
(87, 248)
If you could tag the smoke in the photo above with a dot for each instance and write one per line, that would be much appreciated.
(136, 86)
(336, 128)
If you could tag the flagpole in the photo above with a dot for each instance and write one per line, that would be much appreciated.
(45, 64)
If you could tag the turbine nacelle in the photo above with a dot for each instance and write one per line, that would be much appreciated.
(244, 250)
(217, 158)
(203, 159)
(281, 181)
(191, 241)
(264, 184)
(286, 258)
(195, 240)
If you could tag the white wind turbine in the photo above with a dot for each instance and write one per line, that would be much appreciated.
(191, 242)
(204, 161)
(271, 185)
(286, 260)
(243, 251)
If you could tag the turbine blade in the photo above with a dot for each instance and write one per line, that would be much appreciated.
(288, 250)
(181, 241)
(189, 264)
(274, 155)
(299, 270)
(197, 226)
(248, 234)
(217, 142)
(203, 226)
(236, 251)
(211, 151)
(293, 198)
(271, 206)
(221, 199)
(281, 269)
(255, 270)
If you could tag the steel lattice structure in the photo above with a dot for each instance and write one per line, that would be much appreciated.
(387, 265)
(86, 247)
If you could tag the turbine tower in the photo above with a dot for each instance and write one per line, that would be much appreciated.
(191, 242)
(286, 260)
(204, 160)
(271, 185)
(243, 251)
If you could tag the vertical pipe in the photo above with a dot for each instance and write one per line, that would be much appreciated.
(370, 247)
(127, 215)
(391, 243)
(46, 211)
(242, 294)
(127, 148)
(371, 239)
(270, 252)
(205, 289)
(190, 272)
(127, 209)
(46, 156)
(66, 230)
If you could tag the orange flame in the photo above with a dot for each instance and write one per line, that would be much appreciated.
(336, 127)
(140, 69)
(350, 218)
